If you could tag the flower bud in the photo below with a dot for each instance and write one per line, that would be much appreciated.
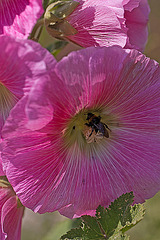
(55, 19)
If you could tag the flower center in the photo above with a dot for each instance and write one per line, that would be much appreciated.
(7, 101)
(88, 126)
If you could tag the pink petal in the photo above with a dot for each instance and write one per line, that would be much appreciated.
(12, 219)
(17, 17)
(129, 5)
(98, 24)
(44, 110)
(1, 168)
(10, 213)
(5, 193)
(116, 5)
(136, 22)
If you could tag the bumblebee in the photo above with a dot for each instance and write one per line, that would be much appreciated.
(97, 126)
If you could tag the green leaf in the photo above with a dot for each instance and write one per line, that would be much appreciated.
(119, 236)
(76, 233)
(91, 227)
(116, 215)
(109, 223)
(137, 213)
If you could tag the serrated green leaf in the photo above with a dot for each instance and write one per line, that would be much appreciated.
(109, 223)
(119, 236)
(91, 227)
(75, 233)
(116, 215)
(137, 213)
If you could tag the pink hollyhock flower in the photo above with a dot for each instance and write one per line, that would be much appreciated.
(11, 211)
(101, 140)
(107, 23)
(18, 17)
(21, 61)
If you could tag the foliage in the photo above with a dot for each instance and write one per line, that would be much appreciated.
(109, 223)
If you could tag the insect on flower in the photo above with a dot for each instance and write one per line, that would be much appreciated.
(97, 129)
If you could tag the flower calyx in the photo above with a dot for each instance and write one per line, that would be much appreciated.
(4, 182)
(55, 19)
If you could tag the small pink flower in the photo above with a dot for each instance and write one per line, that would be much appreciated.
(21, 61)
(18, 17)
(11, 211)
(108, 22)
(57, 159)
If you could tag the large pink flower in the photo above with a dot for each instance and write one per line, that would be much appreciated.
(17, 17)
(20, 63)
(11, 211)
(109, 22)
(56, 159)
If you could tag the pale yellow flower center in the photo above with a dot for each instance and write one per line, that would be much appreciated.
(7, 101)
(84, 131)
